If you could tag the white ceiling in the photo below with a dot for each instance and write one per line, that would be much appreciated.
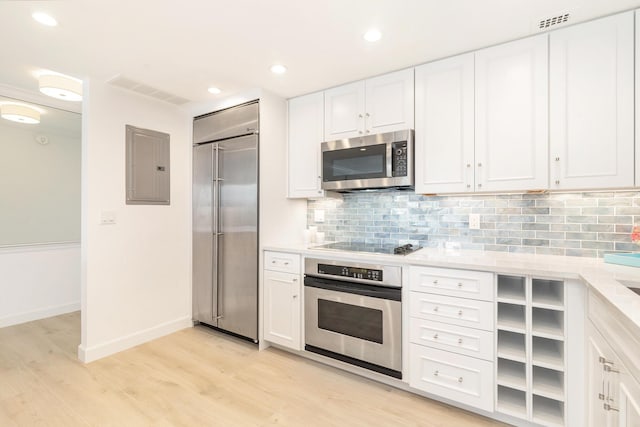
(183, 47)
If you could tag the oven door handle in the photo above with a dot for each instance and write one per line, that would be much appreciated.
(394, 294)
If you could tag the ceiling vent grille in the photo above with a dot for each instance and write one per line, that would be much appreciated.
(546, 23)
(143, 89)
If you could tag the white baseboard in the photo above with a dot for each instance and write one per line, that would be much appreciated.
(41, 313)
(89, 354)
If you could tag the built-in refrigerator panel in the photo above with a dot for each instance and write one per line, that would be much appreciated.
(203, 238)
(234, 121)
(238, 238)
(225, 221)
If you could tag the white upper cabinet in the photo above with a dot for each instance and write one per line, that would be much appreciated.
(306, 133)
(637, 87)
(444, 126)
(511, 121)
(377, 105)
(592, 104)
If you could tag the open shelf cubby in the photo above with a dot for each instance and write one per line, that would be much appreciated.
(547, 293)
(511, 345)
(548, 353)
(548, 383)
(512, 289)
(511, 317)
(512, 374)
(512, 401)
(547, 323)
(548, 412)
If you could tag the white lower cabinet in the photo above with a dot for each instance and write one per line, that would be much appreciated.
(451, 352)
(282, 307)
(613, 391)
(461, 378)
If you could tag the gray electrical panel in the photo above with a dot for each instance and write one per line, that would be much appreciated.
(147, 167)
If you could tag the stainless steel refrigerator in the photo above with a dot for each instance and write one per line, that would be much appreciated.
(225, 220)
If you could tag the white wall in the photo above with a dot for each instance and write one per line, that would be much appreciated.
(136, 273)
(38, 281)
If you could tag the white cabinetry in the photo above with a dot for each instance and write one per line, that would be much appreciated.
(445, 126)
(482, 120)
(282, 306)
(306, 133)
(376, 105)
(511, 116)
(592, 104)
(613, 390)
(533, 351)
(451, 335)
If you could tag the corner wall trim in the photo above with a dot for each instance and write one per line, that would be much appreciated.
(90, 354)
(41, 313)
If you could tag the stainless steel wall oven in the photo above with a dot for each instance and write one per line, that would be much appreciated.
(353, 313)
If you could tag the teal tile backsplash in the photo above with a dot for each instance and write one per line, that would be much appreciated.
(586, 224)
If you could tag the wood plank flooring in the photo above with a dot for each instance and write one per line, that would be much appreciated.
(195, 377)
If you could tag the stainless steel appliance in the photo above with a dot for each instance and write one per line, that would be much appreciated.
(370, 248)
(353, 313)
(225, 220)
(379, 161)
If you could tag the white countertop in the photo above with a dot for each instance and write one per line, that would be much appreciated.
(594, 272)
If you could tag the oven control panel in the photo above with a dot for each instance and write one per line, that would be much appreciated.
(353, 272)
(399, 158)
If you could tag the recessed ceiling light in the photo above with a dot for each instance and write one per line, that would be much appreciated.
(45, 19)
(278, 69)
(214, 90)
(372, 35)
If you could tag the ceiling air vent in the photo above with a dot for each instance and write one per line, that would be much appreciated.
(143, 89)
(546, 23)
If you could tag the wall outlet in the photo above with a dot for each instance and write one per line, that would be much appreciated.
(318, 215)
(474, 221)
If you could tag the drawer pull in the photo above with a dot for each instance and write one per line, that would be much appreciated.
(460, 313)
(435, 282)
(608, 365)
(436, 308)
(449, 377)
(273, 262)
(286, 263)
(600, 396)
(435, 337)
(459, 340)
(460, 285)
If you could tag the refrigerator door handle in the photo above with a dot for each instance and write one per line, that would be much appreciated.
(218, 234)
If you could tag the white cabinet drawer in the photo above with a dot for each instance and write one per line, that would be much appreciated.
(458, 339)
(280, 261)
(459, 283)
(460, 378)
(458, 311)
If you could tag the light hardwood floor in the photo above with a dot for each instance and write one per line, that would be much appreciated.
(195, 377)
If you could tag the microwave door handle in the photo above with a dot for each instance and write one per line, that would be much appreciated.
(389, 162)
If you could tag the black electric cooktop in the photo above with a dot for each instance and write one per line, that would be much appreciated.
(372, 248)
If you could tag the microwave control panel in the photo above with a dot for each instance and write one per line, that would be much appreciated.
(399, 158)
(345, 271)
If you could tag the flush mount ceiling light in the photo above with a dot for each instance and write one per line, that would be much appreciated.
(278, 69)
(214, 90)
(373, 35)
(45, 19)
(61, 87)
(20, 113)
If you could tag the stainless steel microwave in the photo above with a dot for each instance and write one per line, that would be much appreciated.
(379, 161)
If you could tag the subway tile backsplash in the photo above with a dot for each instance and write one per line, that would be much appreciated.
(587, 224)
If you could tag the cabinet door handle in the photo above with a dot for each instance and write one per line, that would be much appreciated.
(608, 407)
(459, 312)
(436, 308)
(295, 296)
(435, 282)
(294, 280)
(459, 340)
(286, 263)
(607, 365)
(459, 284)
(449, 377)
(435, 337)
